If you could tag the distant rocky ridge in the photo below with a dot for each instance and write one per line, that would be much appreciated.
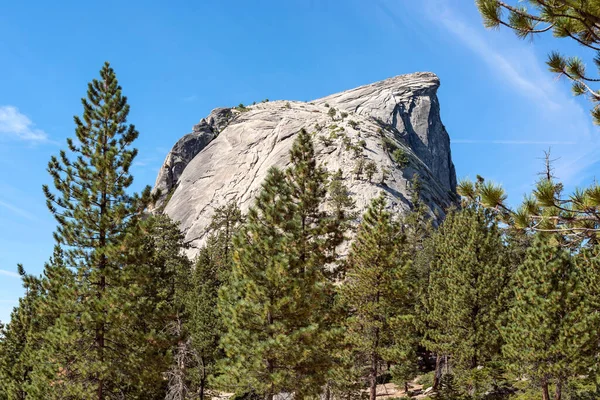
(227, 155)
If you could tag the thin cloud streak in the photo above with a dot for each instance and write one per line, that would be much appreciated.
(17, 125)
(9, 273)
(518, 67)
(18, 211)
(512, 142)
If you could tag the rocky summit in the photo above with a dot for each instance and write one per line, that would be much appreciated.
(394, 124)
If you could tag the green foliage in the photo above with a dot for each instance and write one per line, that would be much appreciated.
(359, 166)
(551, 334)
(469, 267)
(385, 174)
(346, 142)
(370, 169)
(574, 20)
(400, 157)
(353, 124)
(198, 352)
(343, 115)
(288, 105)
(377, 295)
(242, 108)
(342, 204)
(388, 144)
(327, 141)
(332, 111)
(274, 304)
(547, 211)
(16, 347)
(97, 348)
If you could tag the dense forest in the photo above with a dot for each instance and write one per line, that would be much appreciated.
(302, 297)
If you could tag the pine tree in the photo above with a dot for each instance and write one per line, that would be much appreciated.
(274, 303)
(576, 20)
(551, 335)
(469, 269)
(157, 266)
(377, 294)
(99, 355)
(203, 321)
(15, 367)
(23, 351)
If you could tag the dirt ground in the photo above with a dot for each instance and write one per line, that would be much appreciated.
(392, 391)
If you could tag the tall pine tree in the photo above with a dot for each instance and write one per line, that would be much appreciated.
(469, 269)
(552, 330)
(274, 303)
(377, 295)
(198, 350)
(98, 356)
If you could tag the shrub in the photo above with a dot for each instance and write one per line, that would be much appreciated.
(242, 108)
(358, 151)
(332, 111)
(288, 105)
(353, 124)
(343, 115)
(359, 167)
(388, 144)
(325, 140)
(362, 143)
(400, 157)
(370, 170)
(426, 380)
(346, 142)
(385, 174)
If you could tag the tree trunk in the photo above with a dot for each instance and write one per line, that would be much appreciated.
(545, 393)
(558, 391)
(327, 395)
(437, 377)
(202, 379)
(373, 377)
(405, 387)
(100, 330)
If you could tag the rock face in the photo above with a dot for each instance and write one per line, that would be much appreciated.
(409, 104)
(227, 155)
(188, 147)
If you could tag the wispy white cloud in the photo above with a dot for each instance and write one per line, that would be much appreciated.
(17, 125)
(9, 273)
(17, 210)
(517, 67)
(513, 142)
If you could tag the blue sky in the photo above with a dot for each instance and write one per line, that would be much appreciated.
(177, 60)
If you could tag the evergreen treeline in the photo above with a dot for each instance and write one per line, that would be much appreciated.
(274, 305)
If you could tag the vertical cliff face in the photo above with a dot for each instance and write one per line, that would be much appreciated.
(189, 146)
(227, 155)
(409, 104)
